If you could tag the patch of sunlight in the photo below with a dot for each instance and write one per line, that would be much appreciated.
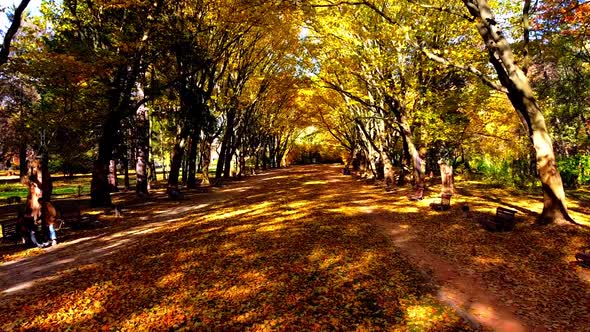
(246, 317)
(155, 318)
(262, 205)
(348, 211)
(488, 260)
(170, 279)
(229, 214)
(362, 264)
(275, 178)
(289, 213)
(84, 306)
(238, 189)
(316, 255)
(239, 252)
(299, 204)
(406, 209)
(253, 276)
(330, 261)
(106, 249)
(580, 218)
(299, 215)
(210, 229)
(314, 182)
(422, 317)
(456, 227)
(275, 224)
(239, 228)
(238, 293)
(228, 246)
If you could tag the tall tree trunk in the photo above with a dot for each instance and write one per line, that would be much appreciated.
(125, 162)
(191, 182)
(206, 159)
(409, 148)
(141, 173)
(241, 163)
(405, 161)
(23, 166)
(184, 167)
(113, 176)
(119, 101)
(225, 146)
(46, 182)
(388, 170)
(153, 175)
(521, 96)
(100, 189)
(228, 159)
(142, 123)
(175, 164)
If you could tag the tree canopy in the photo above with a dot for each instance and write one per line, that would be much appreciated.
(498, 90)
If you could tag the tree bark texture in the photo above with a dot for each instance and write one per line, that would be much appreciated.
(191, 182)
(113, 176)
(175, 164)
(100, 189)
(23, 167)
(206, 159)
(125, 163)
(225, 146)
(142, 123)
(12, 30)
(521, 96)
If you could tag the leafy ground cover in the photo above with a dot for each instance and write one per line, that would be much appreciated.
(304, 248)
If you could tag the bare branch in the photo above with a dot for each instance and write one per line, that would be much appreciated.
(447, 10)
(469, 68)
(16, 21)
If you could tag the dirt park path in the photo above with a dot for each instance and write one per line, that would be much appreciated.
(299, 247)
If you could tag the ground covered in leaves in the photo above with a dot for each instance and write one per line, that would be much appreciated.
(304, 248)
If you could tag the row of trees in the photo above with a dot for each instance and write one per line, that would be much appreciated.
(130, 79)
(439, 74)
(108, 78)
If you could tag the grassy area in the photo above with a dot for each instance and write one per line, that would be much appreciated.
(67, 187)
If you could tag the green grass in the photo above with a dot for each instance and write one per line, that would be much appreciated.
(69, 187)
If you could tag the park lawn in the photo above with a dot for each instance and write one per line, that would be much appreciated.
(64, 187)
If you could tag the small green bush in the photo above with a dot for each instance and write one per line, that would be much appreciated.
(514, 172)
(574, 170)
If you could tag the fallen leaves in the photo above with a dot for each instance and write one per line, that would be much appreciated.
(240, 262)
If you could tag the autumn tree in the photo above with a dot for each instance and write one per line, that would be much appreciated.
(512, 81)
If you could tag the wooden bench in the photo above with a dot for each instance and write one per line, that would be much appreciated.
(9, 229)
(503, 221)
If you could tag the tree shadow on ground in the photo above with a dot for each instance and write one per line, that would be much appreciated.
(292, 249)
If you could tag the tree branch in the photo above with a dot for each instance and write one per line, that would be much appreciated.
(486, 80)
(16, 21)
(526, 31)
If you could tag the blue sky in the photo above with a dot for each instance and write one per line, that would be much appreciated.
(33, 8)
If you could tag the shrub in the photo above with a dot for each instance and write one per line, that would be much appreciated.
(574, 170)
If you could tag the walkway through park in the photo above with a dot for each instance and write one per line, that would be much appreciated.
(298, 248)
